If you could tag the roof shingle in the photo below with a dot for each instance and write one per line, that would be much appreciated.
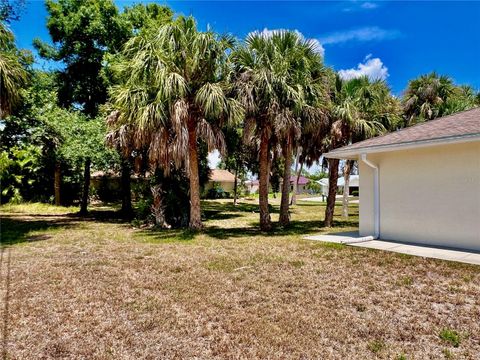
(465, 123)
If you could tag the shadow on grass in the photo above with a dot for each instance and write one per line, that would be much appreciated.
(296, 228)
(16, 230)
(217, 206)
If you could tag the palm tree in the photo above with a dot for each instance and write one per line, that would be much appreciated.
(362, 109)
(276, 78)
(13, 75)
(425, 97)
(174, 92)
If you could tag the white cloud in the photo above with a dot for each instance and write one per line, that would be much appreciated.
(269, 32)
(373, 33)
(213, 159)
(371, 67)
(369, 5)
(361, 5)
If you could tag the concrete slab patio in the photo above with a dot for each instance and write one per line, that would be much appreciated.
(353, 239)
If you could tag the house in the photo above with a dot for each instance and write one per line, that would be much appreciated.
(302, 184)
(422, 184)
(353, 184)
(224, 178)
(252, 185)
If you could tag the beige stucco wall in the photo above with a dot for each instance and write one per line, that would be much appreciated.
(428, 195)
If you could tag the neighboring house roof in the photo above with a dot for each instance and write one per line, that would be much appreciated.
(219, 175)
(460, 127)
(301, 181)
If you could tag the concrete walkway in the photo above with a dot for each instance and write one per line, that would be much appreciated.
(354, 239)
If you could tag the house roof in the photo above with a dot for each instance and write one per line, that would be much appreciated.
(301, 181)
(219, 175)
(460, 127)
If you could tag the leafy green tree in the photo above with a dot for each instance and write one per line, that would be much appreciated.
(173, 92)
(82, 33)
(10, 10)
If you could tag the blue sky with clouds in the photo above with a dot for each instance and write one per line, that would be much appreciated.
(393, 40)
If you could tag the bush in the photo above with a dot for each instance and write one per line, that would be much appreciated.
(216, 192)
(354, 193)
(174, 197)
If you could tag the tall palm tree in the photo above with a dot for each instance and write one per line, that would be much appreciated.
(276, 78)
(174, 91)
(362, 109)
(13, 75)
(425, 97)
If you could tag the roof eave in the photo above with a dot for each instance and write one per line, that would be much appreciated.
(354, 153)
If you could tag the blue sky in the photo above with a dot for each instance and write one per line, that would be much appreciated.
(397, 41)
(394, 40)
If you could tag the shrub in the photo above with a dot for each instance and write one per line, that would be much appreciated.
(216, 192)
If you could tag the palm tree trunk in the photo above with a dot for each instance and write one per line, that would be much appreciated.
(86, 188)
(284, 203)
(265, 221)
(293, 201)
(332, 191)
(195, 210)
(346, 187)
(126, 190)
(56, 182)
(235, 185)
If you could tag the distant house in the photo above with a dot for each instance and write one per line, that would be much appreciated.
(352, 186)
(252, 185)
(224, 178)
(422, 184)
(302, 184)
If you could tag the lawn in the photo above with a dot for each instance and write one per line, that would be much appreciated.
(99, 288)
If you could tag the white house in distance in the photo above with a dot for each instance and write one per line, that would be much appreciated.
(353, 184)
(422, 184)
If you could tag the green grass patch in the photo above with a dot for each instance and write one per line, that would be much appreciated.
(376, 346)
(450, 336)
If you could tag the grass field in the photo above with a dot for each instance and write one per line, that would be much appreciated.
(98, 288)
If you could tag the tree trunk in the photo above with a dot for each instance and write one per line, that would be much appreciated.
(158, 208)
(293, 201)
(127, 211)
(235, 185)
(195, 210)
(297, 180)
(86, 188)
(332, 191)
(284, 203)
(265, 221)
(346, 187)
(57, 180)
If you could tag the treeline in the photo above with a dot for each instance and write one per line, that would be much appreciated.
(143, 91)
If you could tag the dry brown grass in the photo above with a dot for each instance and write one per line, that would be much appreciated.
(103, 290)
